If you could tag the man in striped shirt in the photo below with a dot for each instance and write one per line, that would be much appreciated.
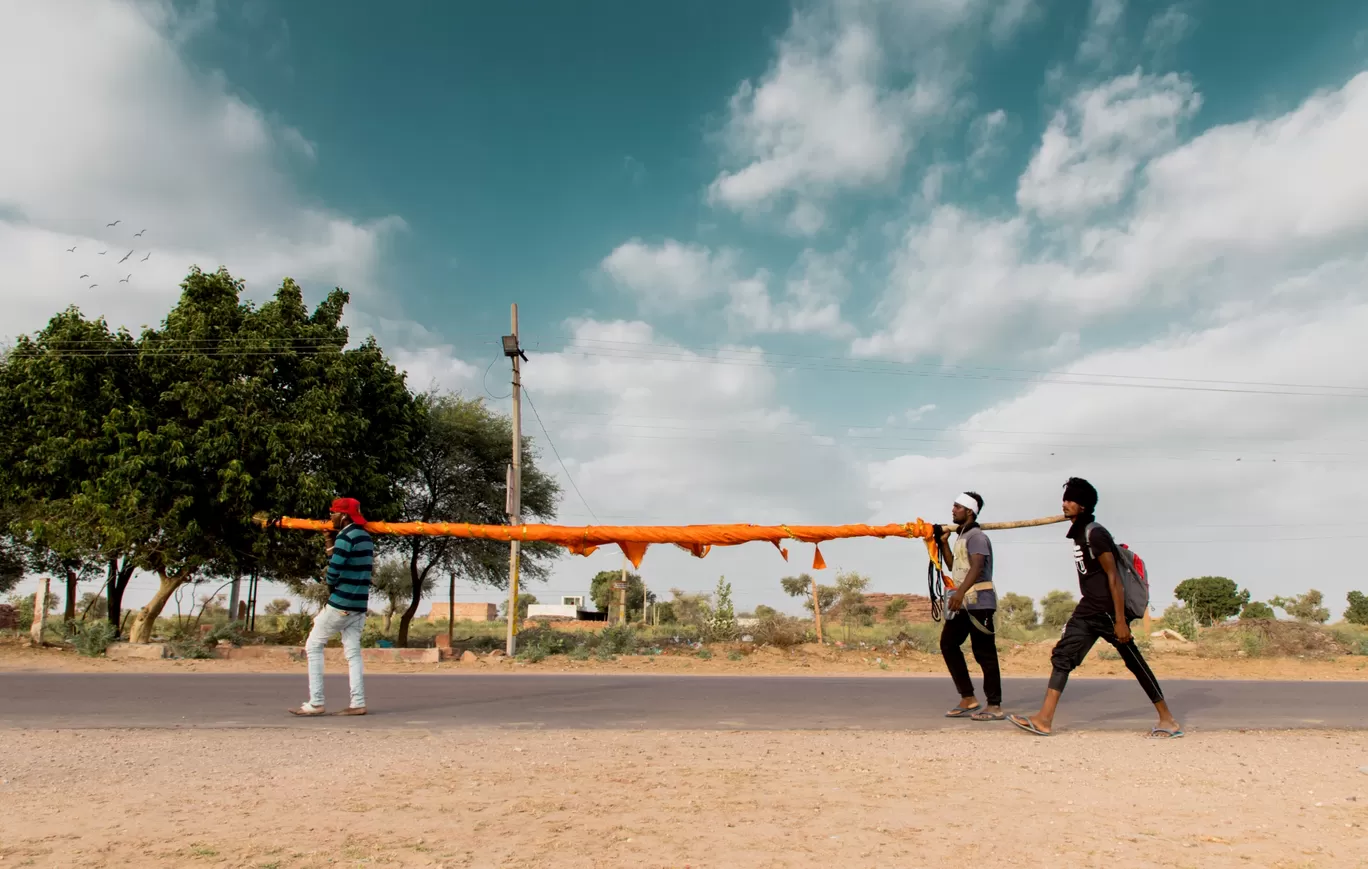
(350, 559)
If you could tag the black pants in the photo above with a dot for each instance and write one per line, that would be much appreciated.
(1080, 634)
(985, 652)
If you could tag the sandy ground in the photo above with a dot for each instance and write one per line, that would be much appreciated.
(1170, 661)
(290, 798)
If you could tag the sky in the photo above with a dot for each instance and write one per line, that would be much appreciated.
(829, 261)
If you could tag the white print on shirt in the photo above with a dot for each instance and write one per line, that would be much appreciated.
(1078, 559)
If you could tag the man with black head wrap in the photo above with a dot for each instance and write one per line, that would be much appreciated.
(1100, 614)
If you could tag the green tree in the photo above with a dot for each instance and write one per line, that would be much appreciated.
(606, 600)
(1017, 610)
(801, 587)
(1181, 618)
(392, 585)
(850, 600)
(665, 613)
(1357, 613)
(93, 606)
(461, 452)
(765, 612)
(1212, 599)
(1304, 607)
(1256, 609)
(894, 610)
(278, 607)
(1055, 608)
(722, 624)
(524, 601)
(690, 608)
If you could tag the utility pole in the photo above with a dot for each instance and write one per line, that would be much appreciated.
(514, 506)
(817, 610)
(622, 594)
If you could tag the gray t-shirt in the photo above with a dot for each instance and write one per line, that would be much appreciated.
(975, 542)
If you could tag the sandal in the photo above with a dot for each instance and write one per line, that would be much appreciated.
(1161, 733)
(962, 711)
(985, 715)
(308, 710)
(1027, 725)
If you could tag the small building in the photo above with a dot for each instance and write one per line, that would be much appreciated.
(570, 608)
(465, 612)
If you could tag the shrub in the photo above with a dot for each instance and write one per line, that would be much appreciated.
(1257, 609)
(721, 624)
(780, 631)
(1055, 608)
(735, 656)
(579, 653)
(705, 653)
(920, 638)
(1357, 612)
(91, 639)
(617, 640)
(1181, 619)
(1017, 610)
(294, 629)
(532, 654)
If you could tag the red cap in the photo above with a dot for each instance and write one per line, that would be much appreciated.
(351, 507)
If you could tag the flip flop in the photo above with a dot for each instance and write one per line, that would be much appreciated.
(961, 712)
(1026, 725)
(307, 711)
(1161, 733)
(985, 715)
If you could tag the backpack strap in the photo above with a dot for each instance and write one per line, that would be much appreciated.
(1087, 540)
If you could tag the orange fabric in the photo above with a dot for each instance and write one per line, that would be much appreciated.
(634, 539)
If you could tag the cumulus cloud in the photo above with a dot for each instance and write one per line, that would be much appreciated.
(1105, 20)
(123, 128)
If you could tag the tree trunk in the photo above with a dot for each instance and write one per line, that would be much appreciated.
(389, 618)
(119, 575)
(146, 620)
(69, 615)
(235, 592)
(451, 610)
(407, 618)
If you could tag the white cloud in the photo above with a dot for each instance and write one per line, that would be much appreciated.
(1105, 19)
(669, 274)
(1092, 149)
(825, 117)
(811, 303)
(986, 143)
(1166, 31)
(1223, 217)
(123, 128)
(1009, 16)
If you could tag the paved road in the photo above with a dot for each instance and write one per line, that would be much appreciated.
(437, 702)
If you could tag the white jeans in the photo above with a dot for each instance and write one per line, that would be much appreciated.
(328, 623)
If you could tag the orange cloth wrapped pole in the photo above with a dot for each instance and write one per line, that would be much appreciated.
(634, 539)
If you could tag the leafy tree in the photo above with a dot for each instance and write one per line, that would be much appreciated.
(11, 565)
(606, 599)
(850, 600)
(722, 623)
(1212, 599)
(461, 451)
(690, 609)
(93, 606)
(1055, 608)
(1304, 607)
(665, 612)
(1357, 613)
(1181, 618)
(278, 607)
(1256, 609)
(1017, 610)
(391, 584)
(894, 610)
(765, 612)
(801, 587)
(524, 601)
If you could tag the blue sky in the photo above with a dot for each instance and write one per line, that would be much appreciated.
(824, 262)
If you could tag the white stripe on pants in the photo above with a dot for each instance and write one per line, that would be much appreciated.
(329, 622)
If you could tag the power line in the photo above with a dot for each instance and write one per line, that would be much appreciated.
(552, 443)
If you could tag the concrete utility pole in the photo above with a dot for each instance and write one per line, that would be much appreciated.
(40, 608)
(514, 352)
(622, 594)
(817, 610)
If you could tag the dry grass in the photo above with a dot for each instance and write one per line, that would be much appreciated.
(1257, 638)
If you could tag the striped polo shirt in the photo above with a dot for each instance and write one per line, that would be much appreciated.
(349, 570)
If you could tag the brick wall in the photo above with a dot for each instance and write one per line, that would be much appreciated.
(468, 612)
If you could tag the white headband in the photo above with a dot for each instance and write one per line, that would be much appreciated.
(968, 503)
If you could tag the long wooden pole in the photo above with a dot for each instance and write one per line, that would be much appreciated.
(515, 514)
(817, 609)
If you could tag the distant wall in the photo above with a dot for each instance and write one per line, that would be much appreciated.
(465, 612)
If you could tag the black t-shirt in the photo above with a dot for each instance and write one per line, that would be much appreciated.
(1094, 590)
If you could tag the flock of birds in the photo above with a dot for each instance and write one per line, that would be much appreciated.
(125, 258)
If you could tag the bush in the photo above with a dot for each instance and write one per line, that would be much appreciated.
(1181, 619)
(579, 653)
(705, 654)
(91, 639)
(735, 656)
(294, 629)
(1357, 612)
(617, 640)
(920, 638)
(532, 654)
(782, 632)
(1055, 609)
(1257, 609)
(1017, 610)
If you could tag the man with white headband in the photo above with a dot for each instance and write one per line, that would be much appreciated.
(971, 609)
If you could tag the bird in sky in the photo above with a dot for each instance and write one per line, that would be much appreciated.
(71, 249)
(139, 233)
(115, 223)
(93, 286)
(102, 253)
(83, 276)
(144, 259)
(126, 256)
(125, 280)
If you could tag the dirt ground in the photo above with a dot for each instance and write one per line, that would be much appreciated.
(291, 798)
(1169, 660)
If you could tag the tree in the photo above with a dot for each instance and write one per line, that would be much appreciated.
(1257, 610)
(1180, 617)
(801, 587)
(278, 607)
(690, 609)
(93, 606)
(894, 610)
(524, 601)
(1055, 608)
(765, 612)
(1304, 607)
(1357, 613)
(722, 623)
(664, 613)
(606, 599)
(392, 584)
(1212, 599)
(850, 600)
(1017, 610)
(461, 451)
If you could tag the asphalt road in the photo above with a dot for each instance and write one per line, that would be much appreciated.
(444, 702)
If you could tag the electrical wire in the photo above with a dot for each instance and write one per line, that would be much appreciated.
(552, 444)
